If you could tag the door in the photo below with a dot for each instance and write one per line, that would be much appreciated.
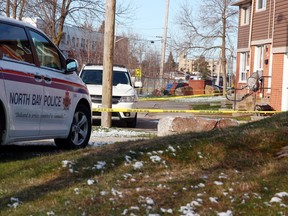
(56, 115)
(284, 103)
(22, 83)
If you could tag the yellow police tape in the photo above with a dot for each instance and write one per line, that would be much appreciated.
(182, 111)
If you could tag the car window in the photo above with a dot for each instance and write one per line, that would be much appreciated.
(120, 78)
(47, 53)
(14, 44)
(95, 77)
(92, 77)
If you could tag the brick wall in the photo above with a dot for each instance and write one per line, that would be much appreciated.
(277, 81)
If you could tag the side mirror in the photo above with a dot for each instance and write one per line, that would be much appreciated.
(71, 65)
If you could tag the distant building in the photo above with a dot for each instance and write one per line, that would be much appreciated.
(188, 65)
(86, 45)
(74, 37)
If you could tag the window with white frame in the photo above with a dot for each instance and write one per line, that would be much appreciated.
(245, 15)
(261, 4)
(244, 64)
(259, 58)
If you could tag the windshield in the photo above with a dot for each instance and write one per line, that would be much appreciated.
(95, 77)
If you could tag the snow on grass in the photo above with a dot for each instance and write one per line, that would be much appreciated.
(138, 165)
(117, 132)
(104, 136)
(201, 99)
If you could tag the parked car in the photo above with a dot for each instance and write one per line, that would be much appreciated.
(41, 95)
(123, 93)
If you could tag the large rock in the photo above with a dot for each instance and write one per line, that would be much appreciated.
(175, 125)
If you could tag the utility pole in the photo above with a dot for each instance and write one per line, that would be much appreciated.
(108, 62)
(164, 40)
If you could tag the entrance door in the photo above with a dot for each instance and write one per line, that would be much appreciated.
(285, 84)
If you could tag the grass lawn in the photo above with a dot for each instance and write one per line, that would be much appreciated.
(233, 171)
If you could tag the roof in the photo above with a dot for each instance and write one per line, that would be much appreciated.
(17, 22)
(241, 2)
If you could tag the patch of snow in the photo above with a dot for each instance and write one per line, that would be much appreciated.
(90, 181)
(15, 202)
(116, 193)
(202, 99)
(281, 194)
(218, 183)
(66, 163)
(170, 148)
(135, 208)
(275, 200)
(100, 165)
(77, 191)
(103, 193)
(201, 185)
(149, 201)
(138, 165)
(213, 199)
(169, 211)
(116, 132)
(228, 213)
(155, 158)
(50, 213)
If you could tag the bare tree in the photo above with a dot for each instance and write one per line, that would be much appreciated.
(151, 63)
(55, 13)
(13, 8)
(212, 32)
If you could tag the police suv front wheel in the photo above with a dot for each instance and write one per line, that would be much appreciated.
(80, 130)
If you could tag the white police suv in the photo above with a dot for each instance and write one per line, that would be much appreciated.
(41, 96)
(123, 93)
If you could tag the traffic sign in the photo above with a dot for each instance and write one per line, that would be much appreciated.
(138, 72)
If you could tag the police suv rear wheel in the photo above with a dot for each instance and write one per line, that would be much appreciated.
(80, 130)
(1, 127)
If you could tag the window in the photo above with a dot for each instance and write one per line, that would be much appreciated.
(82, 43)
(259, 58)
(73, 42)
(261, 4)
(14, 44)
(245, 15)
(77, 42)
(244, 64)
(68, 40)
(95, 77)
(47, 53)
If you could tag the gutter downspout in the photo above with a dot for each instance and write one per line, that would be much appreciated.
(250, 37)
(271, 50)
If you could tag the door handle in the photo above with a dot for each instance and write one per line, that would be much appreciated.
(38, 77)
(48, 80)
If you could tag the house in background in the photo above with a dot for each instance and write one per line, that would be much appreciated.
(263, 50)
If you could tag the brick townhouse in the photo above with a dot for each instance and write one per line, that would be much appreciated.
(262, 50)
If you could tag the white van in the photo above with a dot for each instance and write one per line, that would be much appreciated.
(41, 95)
(123, 93)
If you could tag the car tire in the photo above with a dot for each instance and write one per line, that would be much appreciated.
(1, 127)
(80, 130)
(132, 123)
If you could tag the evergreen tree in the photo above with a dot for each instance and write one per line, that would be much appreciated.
(102, 28)
(170, 65)
(201, 65)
